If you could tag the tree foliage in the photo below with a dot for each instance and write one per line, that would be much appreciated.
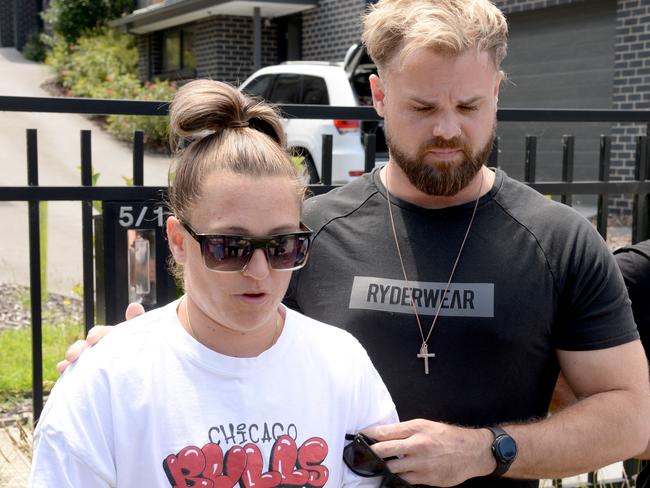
(72, 18)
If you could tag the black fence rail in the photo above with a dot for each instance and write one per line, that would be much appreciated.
(85, 193)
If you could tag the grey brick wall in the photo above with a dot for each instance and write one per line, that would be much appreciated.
(631, 86)
(224, 47)
(329, 30)
(26, 20)
(512, 6)
(6, 23)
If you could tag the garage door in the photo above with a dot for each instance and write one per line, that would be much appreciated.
(559, 57)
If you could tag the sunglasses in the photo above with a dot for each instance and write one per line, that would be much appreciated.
(231, 253)
(362, 460)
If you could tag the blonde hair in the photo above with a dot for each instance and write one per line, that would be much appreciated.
(449, 27)
(214, 127)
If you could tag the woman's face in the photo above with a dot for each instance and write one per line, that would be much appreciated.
(241, 205)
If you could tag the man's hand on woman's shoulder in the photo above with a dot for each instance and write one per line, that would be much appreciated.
(95, 335)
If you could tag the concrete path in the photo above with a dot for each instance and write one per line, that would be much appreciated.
(15, 457)
(59, 160)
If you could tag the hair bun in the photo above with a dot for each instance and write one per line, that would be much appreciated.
(205, 107)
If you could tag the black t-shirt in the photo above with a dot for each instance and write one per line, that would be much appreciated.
(634, 262)
(534, 277)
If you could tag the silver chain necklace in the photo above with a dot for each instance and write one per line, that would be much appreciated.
(424, 353)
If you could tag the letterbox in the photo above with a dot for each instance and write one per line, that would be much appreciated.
(131, 255)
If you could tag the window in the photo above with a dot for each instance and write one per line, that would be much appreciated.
(286, 89)
(259, 87)
(293, 88)
(314, 91)
(178, 52)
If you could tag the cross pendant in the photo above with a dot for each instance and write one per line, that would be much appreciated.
(424, 354)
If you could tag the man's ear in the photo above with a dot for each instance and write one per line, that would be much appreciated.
(378, 94)
(176, 237)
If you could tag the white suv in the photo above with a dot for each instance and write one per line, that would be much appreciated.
(316, 83)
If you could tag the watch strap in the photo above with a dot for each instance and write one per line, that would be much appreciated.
(502, 464)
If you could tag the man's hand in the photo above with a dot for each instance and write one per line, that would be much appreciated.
(434, 453)
(95, 335)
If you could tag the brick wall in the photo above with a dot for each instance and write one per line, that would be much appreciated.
(329, 30)
(224, 47)
(631, 86)
(6, 23)
(26, 20)
(512, 6)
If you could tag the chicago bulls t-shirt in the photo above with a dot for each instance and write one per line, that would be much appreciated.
(150, 406)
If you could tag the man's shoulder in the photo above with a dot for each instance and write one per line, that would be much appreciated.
(341, 201)
(536, 211)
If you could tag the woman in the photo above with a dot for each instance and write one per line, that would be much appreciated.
(224, 386)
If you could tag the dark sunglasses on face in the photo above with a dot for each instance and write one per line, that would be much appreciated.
(231, 253)
(362, 460)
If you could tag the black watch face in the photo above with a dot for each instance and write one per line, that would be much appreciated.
(506, 448)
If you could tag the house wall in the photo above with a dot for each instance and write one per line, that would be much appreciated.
(329, 30)
(631, 80)
(6, 23)
(224, 47)
(631, 87)
(26, 20)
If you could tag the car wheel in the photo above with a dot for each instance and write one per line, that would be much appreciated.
(305, 164)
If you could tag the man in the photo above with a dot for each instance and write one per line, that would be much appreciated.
(469, 290)
(535, 290)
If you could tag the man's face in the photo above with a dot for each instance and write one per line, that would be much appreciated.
(440, 116)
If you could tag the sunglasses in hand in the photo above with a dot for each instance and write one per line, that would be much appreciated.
(362, 460)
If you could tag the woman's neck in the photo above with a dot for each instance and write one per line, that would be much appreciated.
(224, 340)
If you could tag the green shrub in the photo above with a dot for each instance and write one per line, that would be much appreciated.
(104, 64)
(70, 19)
(99, 59)
(34, 48)
(155, 128)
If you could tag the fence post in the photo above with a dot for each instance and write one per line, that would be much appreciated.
(493, 158)
(640, 223)
(87, 232)
(603, 175)
(326, 160)
(35, 277)
(138, 158)
(370, 152)
(531, 159)
(568, 152)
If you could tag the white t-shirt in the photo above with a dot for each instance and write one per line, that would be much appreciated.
(151, 407)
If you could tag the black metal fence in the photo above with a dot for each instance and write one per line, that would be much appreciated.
(85, 193)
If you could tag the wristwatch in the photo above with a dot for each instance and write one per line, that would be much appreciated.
(504, 450)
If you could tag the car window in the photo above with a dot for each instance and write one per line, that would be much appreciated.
(259, 87)
(314, 91)
(286, 89)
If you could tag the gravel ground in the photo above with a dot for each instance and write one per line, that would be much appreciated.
(15, 307)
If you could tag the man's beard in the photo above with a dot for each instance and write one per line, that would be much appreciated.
(441, 178)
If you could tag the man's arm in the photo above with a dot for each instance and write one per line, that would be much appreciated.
(608, 423)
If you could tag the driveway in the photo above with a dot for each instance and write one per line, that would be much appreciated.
(59, 160)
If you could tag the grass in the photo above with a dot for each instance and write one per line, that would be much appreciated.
(16, 364)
